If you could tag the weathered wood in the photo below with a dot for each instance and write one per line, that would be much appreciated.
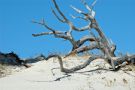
(82, 49)
(76, 68)
(100, 41)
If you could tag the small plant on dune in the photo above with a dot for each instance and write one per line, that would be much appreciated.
(2, 70)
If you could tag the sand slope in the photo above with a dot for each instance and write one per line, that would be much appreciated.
(41, 77)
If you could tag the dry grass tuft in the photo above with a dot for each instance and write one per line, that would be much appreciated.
(2, 70)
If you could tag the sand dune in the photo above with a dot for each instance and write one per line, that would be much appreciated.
(41, 77)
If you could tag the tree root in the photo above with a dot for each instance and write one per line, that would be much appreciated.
(71, 70)
(118, 62)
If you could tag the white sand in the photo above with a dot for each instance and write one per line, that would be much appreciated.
(40, 77)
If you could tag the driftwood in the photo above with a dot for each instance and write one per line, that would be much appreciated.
(85, 64)
(99, 42)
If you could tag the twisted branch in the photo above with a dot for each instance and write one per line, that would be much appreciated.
(71, 70)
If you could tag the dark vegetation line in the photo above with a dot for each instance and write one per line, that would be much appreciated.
(13, 59)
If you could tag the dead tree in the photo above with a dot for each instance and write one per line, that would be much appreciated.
(100, 42)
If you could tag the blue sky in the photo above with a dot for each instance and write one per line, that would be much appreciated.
(116, 18)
